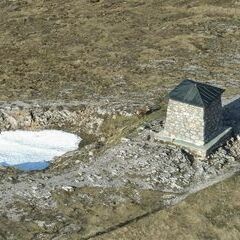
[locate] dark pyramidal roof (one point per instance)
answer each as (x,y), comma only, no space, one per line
(195,93)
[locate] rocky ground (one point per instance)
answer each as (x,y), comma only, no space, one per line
(101,178)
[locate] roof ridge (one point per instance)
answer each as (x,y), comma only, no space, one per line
(195,93)
(199,94)
(206,93)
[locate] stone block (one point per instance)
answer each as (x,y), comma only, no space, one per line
(198,148)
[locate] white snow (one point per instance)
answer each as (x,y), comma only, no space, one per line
(32,150)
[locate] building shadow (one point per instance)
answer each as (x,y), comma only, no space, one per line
(231,115)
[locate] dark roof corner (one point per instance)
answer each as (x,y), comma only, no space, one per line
(195,93)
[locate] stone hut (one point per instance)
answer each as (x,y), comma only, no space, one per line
(194,117)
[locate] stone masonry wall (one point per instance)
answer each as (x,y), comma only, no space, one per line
(185,122)
(213,119)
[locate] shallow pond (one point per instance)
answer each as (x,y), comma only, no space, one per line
(34,150)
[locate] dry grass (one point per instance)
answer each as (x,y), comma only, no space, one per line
(212,213)
(118,126)
(73,49)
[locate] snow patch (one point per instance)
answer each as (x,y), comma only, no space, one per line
(33,150)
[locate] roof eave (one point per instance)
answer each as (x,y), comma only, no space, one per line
(186,102)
